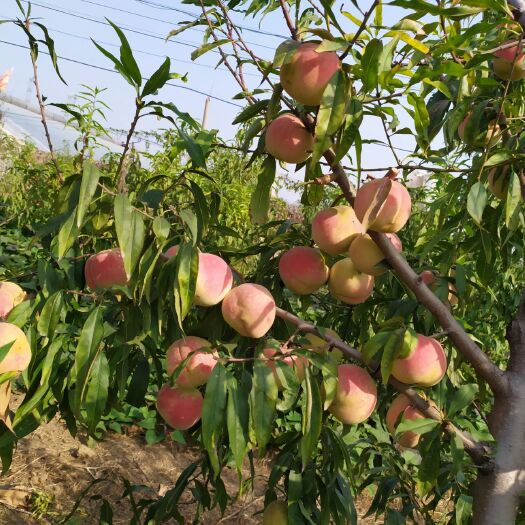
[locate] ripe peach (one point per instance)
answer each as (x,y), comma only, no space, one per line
(214,280)
(276,513)
(105,269)
(287,139)
(348,284)
(366,254)
(199,366)
(320,346)
(425,366)
(499,182)
(297,362)
(180,407)
(509,63)
(19,355)
(490,138)
(14,291)
(302,270)
(249,309)
(334,228)
(355,396)
(306,76)
(395,211)
(401,410)
(6,304)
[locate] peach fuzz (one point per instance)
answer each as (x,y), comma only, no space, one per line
(180,407)
(307,74)
(249,309)
(509,63)
(287,139)
(276,513)
(199,366)
(348,284)
(355,396)
(499,182)
(320,346)
(334,228)
(297,362)
(18,357)
(401,410)
(303,270)
(105,269)
(366,254)
(425,366)
(395,211)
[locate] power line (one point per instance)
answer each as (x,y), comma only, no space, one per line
(188,13)
(134,13)
(102,68)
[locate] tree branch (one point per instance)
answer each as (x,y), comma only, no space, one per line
(360,29)
(289,23)
(121,173)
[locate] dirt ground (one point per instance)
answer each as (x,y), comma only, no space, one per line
(57,468)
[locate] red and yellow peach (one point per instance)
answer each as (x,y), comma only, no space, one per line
(287,139)
(303,270)
(180,407)
(18,356)
(105,270)
(297,362)
(509,63)
(366,254)
(348,284)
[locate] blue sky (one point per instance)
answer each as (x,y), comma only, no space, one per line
(72,32)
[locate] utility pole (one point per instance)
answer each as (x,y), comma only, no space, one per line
(205,114)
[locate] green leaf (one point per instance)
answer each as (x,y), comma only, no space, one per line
(370,64)
(284,52)
(312,418)
(50,315)
(88,347)
(97,391)
(375,344)
(186,271)
(237,419)
(462,398)
(392,347)
(497,158)
(251,111)
(331,114)
(421,118)
(418,426)
(263,399)
(430,449)
(88,187)
(201,209)
(129,226)
(50,44)
(213,413)
(409,343)
(260,201)
(127,59)
(476,201)
(161,228)
(138,385)
(118,65)
(194,150)
(157,80)
(512,202)
(352,123)
(208,47)
(463,508)
(67,235)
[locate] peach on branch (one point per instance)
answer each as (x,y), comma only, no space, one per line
(276,513)
(402,410)
(6,304)
(424,366)
(355,396)
(214,280)
(18,357)
(431,279)
(180,407)
(334,228)
(303,270)
(105,270)
(288,139)
(509,63)
(366,254)
(11,295)
(348,284)
(499,181)
(490,138)
(394,212)
(249,309)
(297,362)
(200,364)
(307,74)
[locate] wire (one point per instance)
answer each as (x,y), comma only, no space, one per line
(134,13)
(102,68)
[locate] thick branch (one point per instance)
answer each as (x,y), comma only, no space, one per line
(476,450)
(483,366)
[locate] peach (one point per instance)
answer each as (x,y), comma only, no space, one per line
(180,407)
(509,63)
(172,251)
(320,346)
(490,138)
(425,366)
(19,355)
(499,182)
(355,396)
(395,211)
(307,74)
(334,228)
(430,278)
(288,139)
(348,284)
(199,366)
(6,304)
(214,280)
(105,269)
(249,309)
(401,410)
(302,270)
(366,254)
(297,362)
(276,513)
(14,290)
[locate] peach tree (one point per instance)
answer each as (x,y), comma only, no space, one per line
(374,342)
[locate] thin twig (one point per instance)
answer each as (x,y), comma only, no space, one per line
(360,29)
